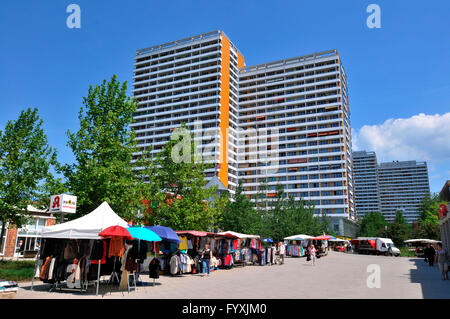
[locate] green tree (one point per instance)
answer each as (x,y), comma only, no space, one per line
(103,148)
(428,223)
(26,164)
(399,230)
(373,225)
(181,181)
(240,215)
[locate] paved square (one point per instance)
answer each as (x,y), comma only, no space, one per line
(337,275)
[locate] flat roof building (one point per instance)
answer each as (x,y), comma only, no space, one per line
(285,122)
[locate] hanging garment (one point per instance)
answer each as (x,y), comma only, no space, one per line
(174,264)
(189,244)
(235,244)
(183,244)
(153,268)
(116,247)
(99,252)
(50,270)
(44,270)
(253,244)
(71,249)
(38,268)
(130,264)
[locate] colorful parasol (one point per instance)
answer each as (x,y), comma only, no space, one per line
(118,231)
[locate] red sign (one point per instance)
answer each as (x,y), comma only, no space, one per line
(56,202)
(442,211)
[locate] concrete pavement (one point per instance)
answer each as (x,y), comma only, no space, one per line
(337,275)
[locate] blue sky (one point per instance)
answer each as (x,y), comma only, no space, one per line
(398,75)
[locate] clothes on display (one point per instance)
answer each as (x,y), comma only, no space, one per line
(116,247)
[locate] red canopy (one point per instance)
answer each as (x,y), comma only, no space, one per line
(195,233)
(323,237)
(116,231)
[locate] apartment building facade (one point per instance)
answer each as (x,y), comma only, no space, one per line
(403,185)
(192,81)
(299,110)
(389,187)
(367,192)
(285,122)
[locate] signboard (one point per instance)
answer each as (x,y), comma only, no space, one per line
(65,204)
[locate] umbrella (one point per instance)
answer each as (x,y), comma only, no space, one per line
(118,231)
(113,231)
(165,233)
(267,240)
(323,237)
(143,233)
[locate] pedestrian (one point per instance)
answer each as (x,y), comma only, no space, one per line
(206,260)
(312,252)
(442,260)
(307,253)
(282,250)
(430,253)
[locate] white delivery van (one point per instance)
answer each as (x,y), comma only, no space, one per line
(386,246)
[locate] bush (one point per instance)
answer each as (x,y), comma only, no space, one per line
(17,270)
(404,252)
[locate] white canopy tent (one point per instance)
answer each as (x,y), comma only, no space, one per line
(431,241)
(238,235)
(86,227)
(298,237)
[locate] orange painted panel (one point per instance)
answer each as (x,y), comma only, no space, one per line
(224,110)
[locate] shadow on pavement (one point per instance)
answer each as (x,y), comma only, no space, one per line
(433,287)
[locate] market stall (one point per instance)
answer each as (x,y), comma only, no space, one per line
(74,255)
(193,242)
(338,244)
(297,245)
(167,257)
(246,248)
(321,244)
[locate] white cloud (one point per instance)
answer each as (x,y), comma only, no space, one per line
(421,137)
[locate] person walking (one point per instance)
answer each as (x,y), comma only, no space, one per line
(442,260)
(206,260)
(282,250)
(430,253)
(312,252)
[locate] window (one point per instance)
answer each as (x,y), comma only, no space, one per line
(2,248)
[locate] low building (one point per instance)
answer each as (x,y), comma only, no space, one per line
(25,241)
(444,221)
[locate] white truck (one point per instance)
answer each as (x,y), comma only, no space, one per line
(376,245)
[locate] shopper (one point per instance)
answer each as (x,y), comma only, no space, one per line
(312,252)
(206,260)
(430,253)
(282,250)
(442,260)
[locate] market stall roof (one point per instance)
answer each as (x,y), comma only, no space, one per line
(431,241)
(298,237)
(195,233)
(86,227)
(237,235)
(323,237)
(143,233)
(166,233)
(337,239)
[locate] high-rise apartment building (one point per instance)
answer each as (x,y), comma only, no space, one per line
(192,81)
(302,105)
(285,122)
(365,174)
(403,185)
(389,187)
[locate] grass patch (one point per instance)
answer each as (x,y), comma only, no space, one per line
(17,270)
(404,252)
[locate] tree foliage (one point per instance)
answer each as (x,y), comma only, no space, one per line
(103,148)
(178,186)
(373,225)
(26,164)
(399,230)
(428,223)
